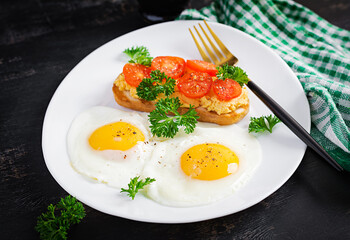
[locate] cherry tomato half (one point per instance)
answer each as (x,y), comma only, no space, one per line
(195,84)
(134,73)
(202,66)
(173,67)
(226,89)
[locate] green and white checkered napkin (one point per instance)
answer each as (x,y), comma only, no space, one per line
(317,51)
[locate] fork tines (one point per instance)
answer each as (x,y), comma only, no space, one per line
(219,57)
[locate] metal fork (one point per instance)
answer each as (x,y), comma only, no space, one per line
(226,57)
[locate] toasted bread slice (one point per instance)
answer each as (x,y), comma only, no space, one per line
(124,98)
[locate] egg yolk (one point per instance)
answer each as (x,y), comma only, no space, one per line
(209,161)
(115,136)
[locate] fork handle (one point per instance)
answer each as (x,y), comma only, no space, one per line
(292,124)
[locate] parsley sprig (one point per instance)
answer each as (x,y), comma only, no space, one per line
(161,124)
(232,72)
(55,223)
(164,126)
(135,185)
(149,88)
(263,123)
(139,55)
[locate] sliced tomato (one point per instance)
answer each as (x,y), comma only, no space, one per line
(195,84)
(202,66)
(134,73)
(226,89)
(173,67)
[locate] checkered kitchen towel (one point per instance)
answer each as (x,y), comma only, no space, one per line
(317,51)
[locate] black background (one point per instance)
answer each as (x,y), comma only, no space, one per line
(40,42)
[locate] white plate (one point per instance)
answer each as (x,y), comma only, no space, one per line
(89,84)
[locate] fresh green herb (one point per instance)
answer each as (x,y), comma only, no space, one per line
(263,123)
(135,185)
(149,88)
(139,55)
(232,72)
(55,223)
(164,126)
(161,124)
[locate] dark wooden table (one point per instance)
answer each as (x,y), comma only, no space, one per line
(40,42)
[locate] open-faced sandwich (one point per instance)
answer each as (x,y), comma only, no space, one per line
(216,93)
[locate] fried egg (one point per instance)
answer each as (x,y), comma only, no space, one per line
(203,167)
(109,145)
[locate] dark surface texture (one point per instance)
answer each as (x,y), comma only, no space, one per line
(40,42)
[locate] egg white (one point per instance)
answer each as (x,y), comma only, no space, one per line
(174,188)
(112,167)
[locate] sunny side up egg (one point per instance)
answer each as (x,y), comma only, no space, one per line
(109,145)
(203,167)
(113,146)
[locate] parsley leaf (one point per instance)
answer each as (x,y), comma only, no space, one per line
(149,88)
(135,185)
(139,55)
(259,124)
(55,223)
(232,72)
(164,126)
